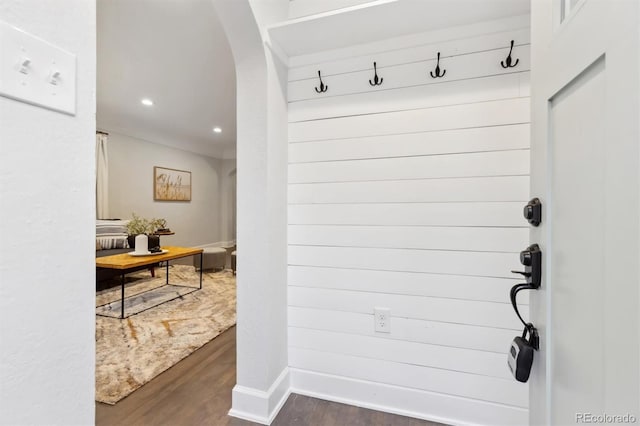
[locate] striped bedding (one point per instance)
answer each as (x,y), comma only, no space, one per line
(115,226)
(111,234)
(112,242)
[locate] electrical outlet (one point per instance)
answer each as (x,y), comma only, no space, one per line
(382,320)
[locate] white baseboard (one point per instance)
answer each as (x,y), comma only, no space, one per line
(259,406)
(432,406)
(225,244)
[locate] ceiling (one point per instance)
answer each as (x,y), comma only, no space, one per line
(175,53)
(385,19)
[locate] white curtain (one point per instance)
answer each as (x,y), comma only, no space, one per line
(102,177)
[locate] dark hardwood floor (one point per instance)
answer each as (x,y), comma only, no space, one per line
(302,410)
(197,391)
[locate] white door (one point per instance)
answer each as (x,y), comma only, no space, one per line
(585,157)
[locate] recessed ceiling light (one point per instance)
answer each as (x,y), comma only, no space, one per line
(217,130)
(147,102)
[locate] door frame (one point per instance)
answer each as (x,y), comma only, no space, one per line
(553,70)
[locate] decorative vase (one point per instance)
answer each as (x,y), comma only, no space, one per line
(142,244)
(154,241)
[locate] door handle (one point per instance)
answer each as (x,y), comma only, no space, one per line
(512,295)
(531,258)
(521,351)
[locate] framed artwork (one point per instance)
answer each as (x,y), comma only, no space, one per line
(171,184)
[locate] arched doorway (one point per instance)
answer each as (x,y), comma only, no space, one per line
(262,380)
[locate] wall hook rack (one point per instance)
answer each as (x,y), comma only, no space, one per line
(323,87)
(507,62)
(437,70)
(376,80)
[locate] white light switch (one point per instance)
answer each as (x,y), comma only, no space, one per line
(35,71)
(24,65)
(54,76)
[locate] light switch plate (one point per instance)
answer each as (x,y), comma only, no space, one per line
(49,77)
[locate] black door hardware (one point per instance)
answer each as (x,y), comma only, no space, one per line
(533,212)
(531,258)
(437,70)
(377,81)
(323,87)
(513,294)
(520,357)
(507,62)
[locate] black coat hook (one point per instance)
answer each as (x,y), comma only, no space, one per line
(376,81)
(437,70)
(507,62)
(323,87)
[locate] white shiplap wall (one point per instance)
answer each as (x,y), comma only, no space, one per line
(408,195)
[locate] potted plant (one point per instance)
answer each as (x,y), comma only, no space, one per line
(139,225)
(159,225)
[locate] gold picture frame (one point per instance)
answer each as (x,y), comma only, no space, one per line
(171,184)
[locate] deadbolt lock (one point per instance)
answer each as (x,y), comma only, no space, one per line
(533,212)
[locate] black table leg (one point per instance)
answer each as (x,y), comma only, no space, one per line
(167,281)
(201,255)
(122,301)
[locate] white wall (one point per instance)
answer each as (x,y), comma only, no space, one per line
(47,223)
(205,220)
(409,196)
(262,367)
(301,8)
(228,200)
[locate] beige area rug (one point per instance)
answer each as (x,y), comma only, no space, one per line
(132,351)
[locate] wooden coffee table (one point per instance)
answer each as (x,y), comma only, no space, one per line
(166,293)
